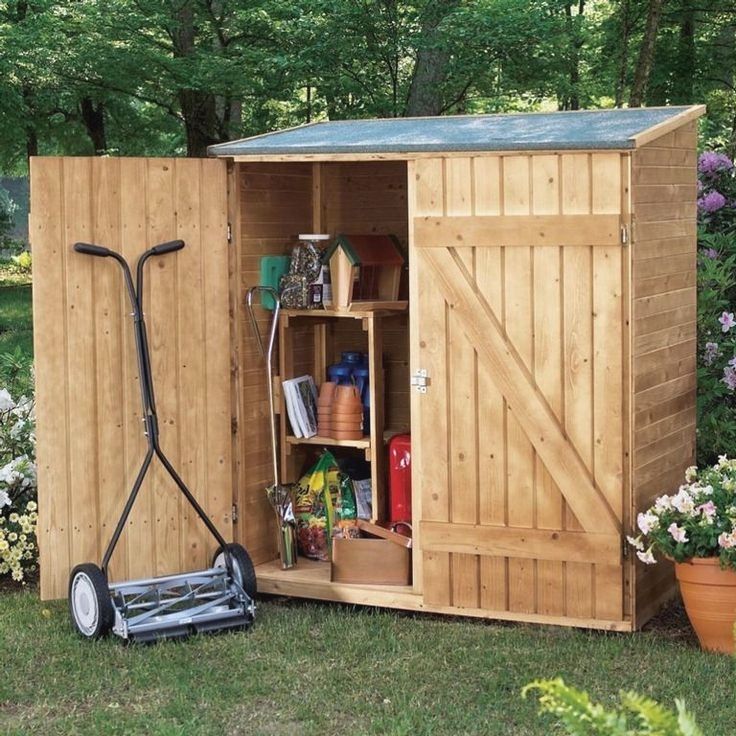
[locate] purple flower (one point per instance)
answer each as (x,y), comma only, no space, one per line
(711,163)
(727,321)
(711,253)
(710,353)
(677,532)
(729,377)
(711,202)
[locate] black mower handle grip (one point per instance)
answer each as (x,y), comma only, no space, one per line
(92,250)
(170,247)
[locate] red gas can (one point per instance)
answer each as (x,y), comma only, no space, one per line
(399,477)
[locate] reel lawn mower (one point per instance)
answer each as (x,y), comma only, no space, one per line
(215,599)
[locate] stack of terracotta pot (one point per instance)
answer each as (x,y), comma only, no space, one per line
(340,412)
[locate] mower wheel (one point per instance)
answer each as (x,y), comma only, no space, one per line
(90,606)
(244,571)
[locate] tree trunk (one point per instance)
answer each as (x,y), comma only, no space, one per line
(94,122)
(430,70)
(624,46)
(30,126)
(198,108)
(682,88)
(571,98)
(646,54)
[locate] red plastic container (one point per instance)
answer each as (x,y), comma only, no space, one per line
(399,477)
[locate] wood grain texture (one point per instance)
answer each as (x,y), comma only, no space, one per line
(90,443)
(664,336)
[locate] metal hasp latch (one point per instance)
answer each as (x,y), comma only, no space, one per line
(420,379)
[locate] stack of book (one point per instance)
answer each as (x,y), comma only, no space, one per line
(300,397)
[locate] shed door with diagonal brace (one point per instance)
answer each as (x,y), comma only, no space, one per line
(518,320)
(90,441)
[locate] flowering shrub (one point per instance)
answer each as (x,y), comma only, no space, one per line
(697,521)
(716,306)
(18,510)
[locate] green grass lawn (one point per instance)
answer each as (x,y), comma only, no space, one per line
(309,668)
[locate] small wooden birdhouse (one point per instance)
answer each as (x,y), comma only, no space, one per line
(364,268)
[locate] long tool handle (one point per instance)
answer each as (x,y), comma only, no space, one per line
(267,353)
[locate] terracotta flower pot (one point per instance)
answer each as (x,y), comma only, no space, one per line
(347,399)
(709,594)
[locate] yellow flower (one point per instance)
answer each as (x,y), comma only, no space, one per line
(4,546)
(12,537)
(14,517)
(31,506)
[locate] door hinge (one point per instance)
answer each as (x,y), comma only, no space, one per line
(421,380)
(625,548)
(234,513)
(229,233)
(624,235)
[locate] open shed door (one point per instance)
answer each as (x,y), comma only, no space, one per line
(519,323)
(90,441)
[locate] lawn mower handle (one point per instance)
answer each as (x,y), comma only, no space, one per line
(92,250)
(169,247)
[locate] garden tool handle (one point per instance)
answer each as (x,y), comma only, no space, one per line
(168,247)
(92,250)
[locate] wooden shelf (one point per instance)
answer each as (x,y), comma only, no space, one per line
(363,443)
(357,313)
(311,579)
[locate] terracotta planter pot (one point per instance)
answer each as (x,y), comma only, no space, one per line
(342,426)
(709,594)
(347,399)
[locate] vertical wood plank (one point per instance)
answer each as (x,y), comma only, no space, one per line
(608,400)
(518,323)
(432,333)
(548,372)
(49,345)
(163,336)
(81,361)
(191,356)
(217,433)
(578,371)
(133,219)
(462,381)
(491,440)
(111,486)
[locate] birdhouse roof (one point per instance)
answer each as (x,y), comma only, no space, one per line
(368,250)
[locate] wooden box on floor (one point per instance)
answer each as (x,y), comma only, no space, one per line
(545,369)
(370,562)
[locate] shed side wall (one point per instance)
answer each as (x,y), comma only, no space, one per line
(275,205)
(664,176)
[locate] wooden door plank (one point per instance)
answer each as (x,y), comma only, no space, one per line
(111,487)
(432,334)
(81,370)
(491,405)
(548,374)
(518,324)
(49,345)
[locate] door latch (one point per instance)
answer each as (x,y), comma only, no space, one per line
(420,380)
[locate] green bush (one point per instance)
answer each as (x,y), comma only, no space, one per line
(7,214)
(716,299)
(634,715)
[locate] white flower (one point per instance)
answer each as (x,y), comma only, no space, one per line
(4,499)
(727,540)
(678,533)
(663,503)
(691,473)
(723,461)
(636,543)
(683,501)
(707,490)
(647,522)
(646,557)
(6,400)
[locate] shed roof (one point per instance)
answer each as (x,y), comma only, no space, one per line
(581,129)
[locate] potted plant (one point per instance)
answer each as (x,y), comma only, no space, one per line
(696,528)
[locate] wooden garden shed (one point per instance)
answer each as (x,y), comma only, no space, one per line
(551,310)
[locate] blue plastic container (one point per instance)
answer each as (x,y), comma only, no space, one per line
(361,376)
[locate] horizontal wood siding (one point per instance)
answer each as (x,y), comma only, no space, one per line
(664,333)
(90,442)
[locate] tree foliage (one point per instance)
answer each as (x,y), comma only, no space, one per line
(172,76)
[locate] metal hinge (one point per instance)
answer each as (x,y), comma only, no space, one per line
(624,235)
(234,513)
(420,380)
(625,548)
(229,233)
